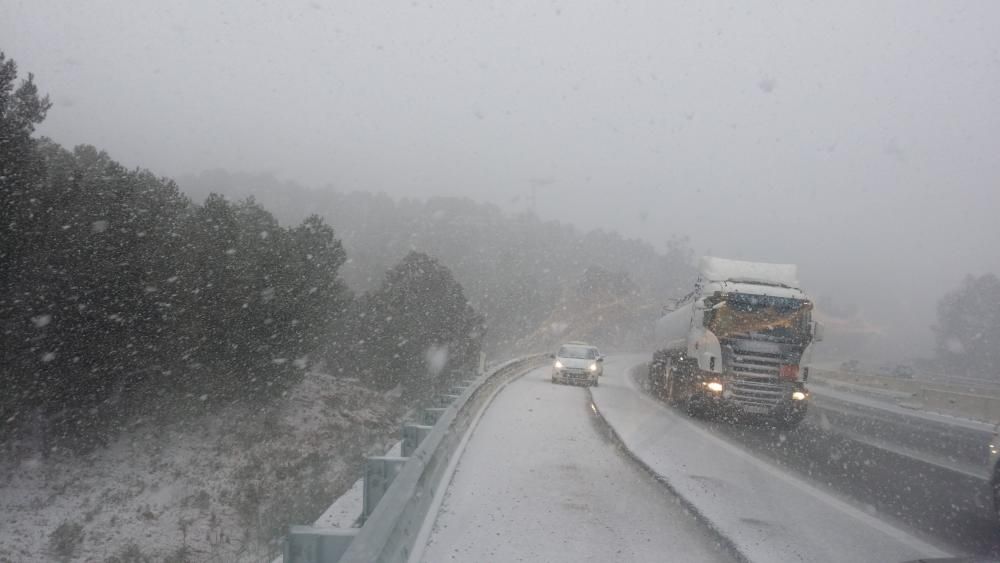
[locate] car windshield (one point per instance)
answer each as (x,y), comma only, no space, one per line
(285,277)
(578,352)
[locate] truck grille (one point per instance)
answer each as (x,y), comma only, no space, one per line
(756,385)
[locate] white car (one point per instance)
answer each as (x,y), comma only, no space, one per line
(577,362)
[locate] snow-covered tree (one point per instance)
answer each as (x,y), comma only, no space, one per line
(417,329)
(968,327)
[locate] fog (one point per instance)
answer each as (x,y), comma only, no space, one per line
(858,141)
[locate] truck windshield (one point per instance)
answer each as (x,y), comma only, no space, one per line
(744,314)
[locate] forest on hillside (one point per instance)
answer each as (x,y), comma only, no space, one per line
(121,297)
(517,269)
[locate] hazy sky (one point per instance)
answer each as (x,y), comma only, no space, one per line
(857,139)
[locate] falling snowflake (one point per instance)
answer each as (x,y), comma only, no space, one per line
(437,358)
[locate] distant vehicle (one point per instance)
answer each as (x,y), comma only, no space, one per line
(850,366)
(902,371)
(577,362)
(738,343)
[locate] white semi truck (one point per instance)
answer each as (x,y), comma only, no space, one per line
(739,344)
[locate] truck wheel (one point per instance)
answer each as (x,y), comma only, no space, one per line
(694,406)
(653,380)
(672,393)
(678,386)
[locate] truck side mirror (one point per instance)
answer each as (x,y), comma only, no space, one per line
(670,306)
(818,331)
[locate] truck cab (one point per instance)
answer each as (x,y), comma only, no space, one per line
(740,343)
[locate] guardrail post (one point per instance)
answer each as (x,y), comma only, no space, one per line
(413,434)
(431,416)
(379,473)
(445,400)
(307,544)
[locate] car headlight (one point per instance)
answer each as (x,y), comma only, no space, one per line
(799,396)
(714,386)
(593,367)
(558,364)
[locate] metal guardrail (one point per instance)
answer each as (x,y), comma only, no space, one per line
(983,408)
(402,493)
(950,398)
(868,380)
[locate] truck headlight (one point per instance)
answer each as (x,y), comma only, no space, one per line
(558,365)
(593,367)
(714,386)
(799,396)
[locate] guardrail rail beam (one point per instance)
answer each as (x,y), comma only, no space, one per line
(308,544)
(413,434)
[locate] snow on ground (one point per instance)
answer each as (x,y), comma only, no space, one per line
(539,481)
(767,513)
(212,487)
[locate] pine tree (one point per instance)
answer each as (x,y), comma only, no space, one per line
(419,327)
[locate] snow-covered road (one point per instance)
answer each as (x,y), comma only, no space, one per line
(540,481)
